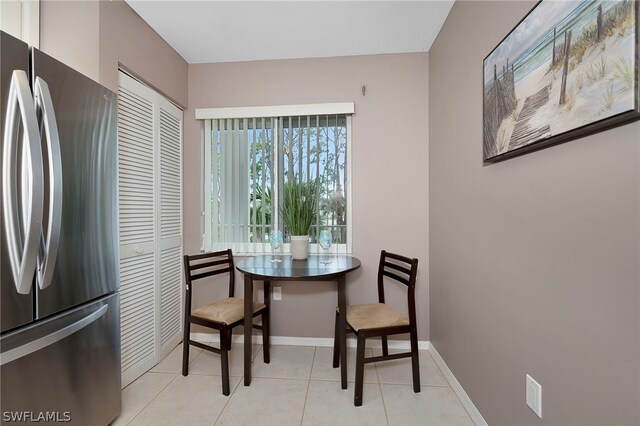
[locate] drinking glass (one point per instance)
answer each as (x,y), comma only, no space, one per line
(325,239)
(275,239)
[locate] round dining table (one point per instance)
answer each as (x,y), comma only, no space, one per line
(264,268)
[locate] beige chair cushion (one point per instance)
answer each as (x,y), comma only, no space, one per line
(362,317)
(225,311)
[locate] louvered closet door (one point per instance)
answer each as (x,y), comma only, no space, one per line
(138,268)
(171,274)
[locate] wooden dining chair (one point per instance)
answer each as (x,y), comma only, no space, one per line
(380,320)
(222,315)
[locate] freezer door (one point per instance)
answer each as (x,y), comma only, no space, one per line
(65,368)
(15,308)
(86,243)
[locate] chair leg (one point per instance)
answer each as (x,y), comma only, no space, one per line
(415,366)
(357,400)
(224,357)
(336,346)
(229,338)
(385,346)
(185,348)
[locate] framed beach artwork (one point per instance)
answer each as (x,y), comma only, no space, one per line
(568,69)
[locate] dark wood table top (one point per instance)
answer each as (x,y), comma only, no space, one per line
(260,267)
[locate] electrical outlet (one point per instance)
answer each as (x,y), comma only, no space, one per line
(534,396)
(277,293)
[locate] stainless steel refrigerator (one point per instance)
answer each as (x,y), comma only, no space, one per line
(59,301)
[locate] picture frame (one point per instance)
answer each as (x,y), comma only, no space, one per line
(568,69)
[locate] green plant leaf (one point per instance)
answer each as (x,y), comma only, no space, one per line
(299,206)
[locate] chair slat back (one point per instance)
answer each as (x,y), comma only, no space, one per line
(205,265)
(401,269)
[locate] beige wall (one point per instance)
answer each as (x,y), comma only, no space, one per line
(126,39)
(94,37)
(534,260)
(69,33)
(390,167)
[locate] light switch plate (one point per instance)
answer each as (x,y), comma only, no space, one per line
(534,396)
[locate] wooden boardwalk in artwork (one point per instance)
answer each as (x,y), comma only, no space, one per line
(522,132)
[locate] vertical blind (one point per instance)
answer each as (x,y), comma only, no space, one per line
(248,161)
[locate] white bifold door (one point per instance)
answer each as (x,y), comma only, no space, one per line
(150,200)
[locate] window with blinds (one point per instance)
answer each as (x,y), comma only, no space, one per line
(249,161)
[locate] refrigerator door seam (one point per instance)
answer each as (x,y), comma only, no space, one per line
(22,254)
(49,243)
(43,342)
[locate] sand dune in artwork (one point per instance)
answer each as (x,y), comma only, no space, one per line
(596,88)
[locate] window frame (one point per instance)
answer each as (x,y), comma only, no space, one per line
(248,248)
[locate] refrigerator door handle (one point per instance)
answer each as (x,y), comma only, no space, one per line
(49,243)
(22,235)
(50,339)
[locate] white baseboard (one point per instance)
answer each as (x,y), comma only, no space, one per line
(309,341)
(477,418)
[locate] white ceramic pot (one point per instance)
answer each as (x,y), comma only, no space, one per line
(299,246)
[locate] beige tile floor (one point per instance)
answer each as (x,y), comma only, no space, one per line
(298,387)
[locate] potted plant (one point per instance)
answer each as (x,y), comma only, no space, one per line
(299,208)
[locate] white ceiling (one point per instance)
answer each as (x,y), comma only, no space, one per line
(229,31)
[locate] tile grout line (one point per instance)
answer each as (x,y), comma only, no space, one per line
(237,385)
(306,395)
(411,384)
(384,405)
(295,379)
(153,369)
(194,358)
(254,356)
(375,367)
(227,402)
(154,398)
(161,372)
(309,378)
(449,386)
